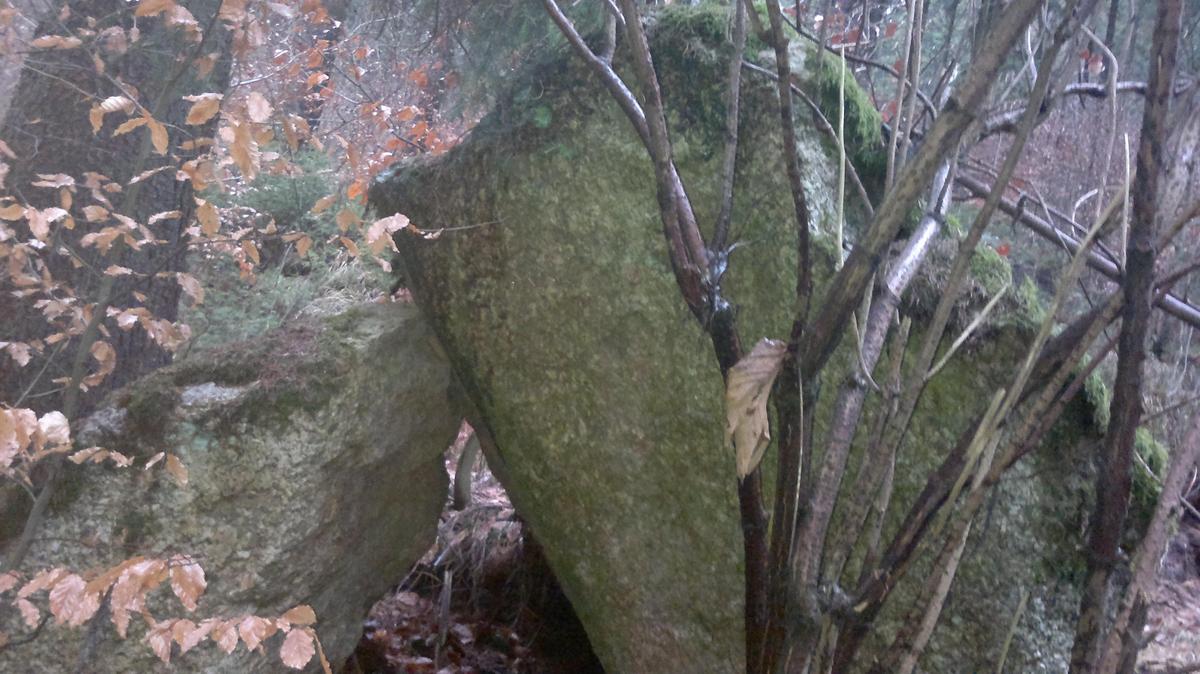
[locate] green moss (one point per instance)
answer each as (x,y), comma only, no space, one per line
(1030,309)
(1148,473)
(1096,392)
(863,131)
(1154,457)
(953,225)
(704,26)
(990,270)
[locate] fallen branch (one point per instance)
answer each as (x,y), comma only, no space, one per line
(1170,303)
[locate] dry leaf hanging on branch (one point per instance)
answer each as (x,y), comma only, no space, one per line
(747,426)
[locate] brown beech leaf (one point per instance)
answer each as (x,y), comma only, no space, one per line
(12,212)
(158,135)
(146,174)
(55,428)
(303,615)
(303,244)
(95,213)
(191,637)
(297,649)
(225,635)
(187,578)
(134,578)
(29,613)
(244,150)
(204,107)
(106,358)
(160,637)
(153,8)
(101,583)
(89,454)
(258,108)
(179,473)
(345,218)
(56,42)
(44,579)
(210,220)
(251,250)
(39,225)
(71,603)
(379,234)
(255,630)
(8,580)
(115,103)
(129,125)
(110,104)
(747,426)
(180,630)
(54,180)
(191,286)
(6,150)
(18,351)
(9,446)
(164,215)
(324,203)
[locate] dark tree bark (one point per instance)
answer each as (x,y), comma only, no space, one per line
(1116,461)
(48,129)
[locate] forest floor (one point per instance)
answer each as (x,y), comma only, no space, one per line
(484,601)
(1173,620)
(481,601)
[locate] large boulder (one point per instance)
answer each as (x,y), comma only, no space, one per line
(551,290)
(315,476)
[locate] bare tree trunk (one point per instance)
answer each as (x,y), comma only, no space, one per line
(1113,482)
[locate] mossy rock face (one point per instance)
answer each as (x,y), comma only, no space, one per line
(314,456)
(557,306)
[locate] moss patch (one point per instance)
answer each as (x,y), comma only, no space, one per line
(863,125)
(990,269)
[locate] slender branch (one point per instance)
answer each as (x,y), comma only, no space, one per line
(926,101)
(732,106)
(825,127)
(791,159)
(615,85)
(679,220)
(685,247)
(898,100)
(790,401)
(908,121)
(1006,121)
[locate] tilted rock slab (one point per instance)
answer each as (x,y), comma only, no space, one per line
(551,290)
(315,476)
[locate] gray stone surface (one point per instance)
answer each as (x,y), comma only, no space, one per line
(315,477)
